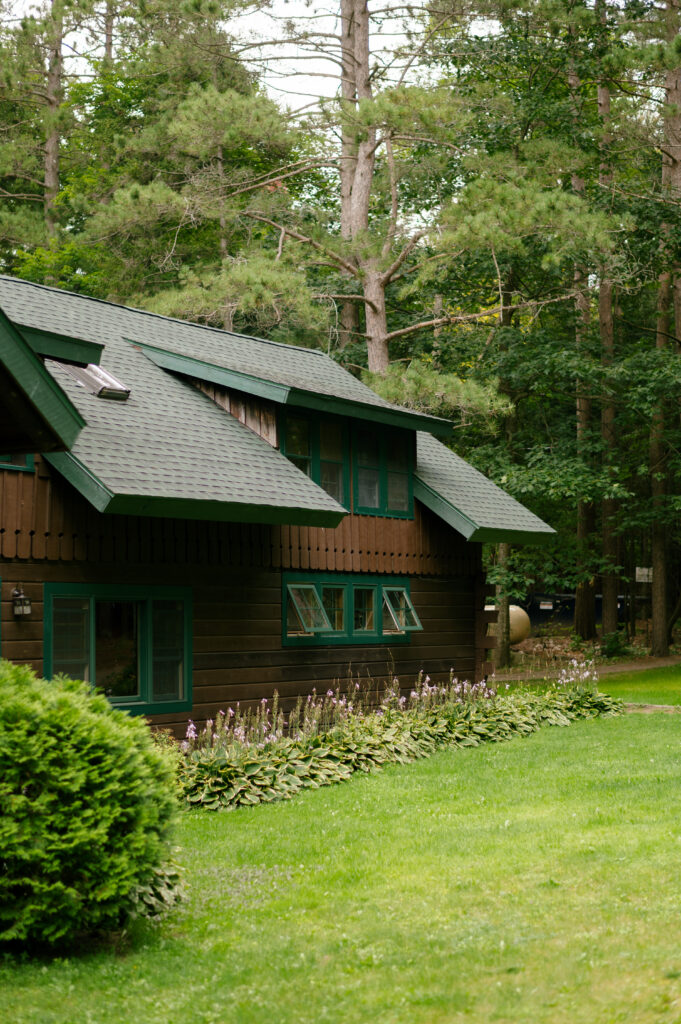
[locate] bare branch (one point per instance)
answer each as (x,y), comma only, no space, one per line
(411,244)
(336,260)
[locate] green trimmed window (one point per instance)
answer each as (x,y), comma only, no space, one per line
(383,461)
(334,609)
(379,462)
(132,643)
(320,448)
(24,463)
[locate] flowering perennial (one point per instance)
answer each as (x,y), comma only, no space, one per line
(247,756)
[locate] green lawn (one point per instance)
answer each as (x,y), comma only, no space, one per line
(651,686)
(530,881)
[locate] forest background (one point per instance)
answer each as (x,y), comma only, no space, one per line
(478,212)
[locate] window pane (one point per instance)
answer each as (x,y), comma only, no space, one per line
(402,609)
(364,610)
(18,461)
(398,492)
(331,441)
(397,454)
(297,436)
(334,606)
(368,488)
(367,448)
(332,480)
(309,607)
(301,463)
(116,647)
(294,623)
(167,650)
(71,637)
(391,623)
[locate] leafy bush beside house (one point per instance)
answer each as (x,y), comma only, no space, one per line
(87,804)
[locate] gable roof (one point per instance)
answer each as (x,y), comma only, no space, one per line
(37,415)
(284,373)
(467,500)
(170,451)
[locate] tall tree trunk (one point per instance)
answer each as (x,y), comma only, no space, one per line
(585,597)
(53,94)
(109,21)
(376,319)
(502,657)
(356,180)
(349,312)
(669,286)
(610,577)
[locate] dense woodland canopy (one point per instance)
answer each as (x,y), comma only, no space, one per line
(484,220)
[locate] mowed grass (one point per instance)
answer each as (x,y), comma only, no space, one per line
(531,881)
(649,686)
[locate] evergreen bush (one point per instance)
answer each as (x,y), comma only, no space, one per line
(87,804)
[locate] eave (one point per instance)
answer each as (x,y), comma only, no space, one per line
(286,395)
(108,501)
(464,525)
(38,416)
(64,349)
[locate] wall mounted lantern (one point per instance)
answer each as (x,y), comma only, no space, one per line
(21,605)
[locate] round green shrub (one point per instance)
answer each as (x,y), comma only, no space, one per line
(87,804)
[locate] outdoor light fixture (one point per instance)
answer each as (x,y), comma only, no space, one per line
(21,604)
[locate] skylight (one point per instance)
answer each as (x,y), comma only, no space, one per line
(98,381)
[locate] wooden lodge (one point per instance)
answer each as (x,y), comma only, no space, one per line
(191,518)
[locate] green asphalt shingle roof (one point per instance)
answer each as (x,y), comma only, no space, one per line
(170,451)
(308,374)
(37,415)
(469,501)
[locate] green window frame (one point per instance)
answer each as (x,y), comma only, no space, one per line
(88,623)
(358,610)
(383,471)
(319,446)
(20,463)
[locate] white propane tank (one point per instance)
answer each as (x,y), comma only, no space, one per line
(519,622)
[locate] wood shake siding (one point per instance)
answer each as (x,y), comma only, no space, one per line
(51,534)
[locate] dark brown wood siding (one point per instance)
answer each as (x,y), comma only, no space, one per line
(49,533)
(43,518)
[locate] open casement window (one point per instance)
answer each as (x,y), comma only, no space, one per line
(398,611)
(132,643)
(335,609)
(305,613)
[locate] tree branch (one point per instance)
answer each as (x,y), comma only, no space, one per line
(387,277)
(336,260)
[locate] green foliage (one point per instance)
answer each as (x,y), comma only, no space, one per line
(87,809)
(223,774)
(426,388)
(614,645)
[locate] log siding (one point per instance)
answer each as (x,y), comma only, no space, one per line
(51,534)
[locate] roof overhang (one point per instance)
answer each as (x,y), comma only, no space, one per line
(282,394)
(37,415)
(106,500)
(59,346)
(472,531)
